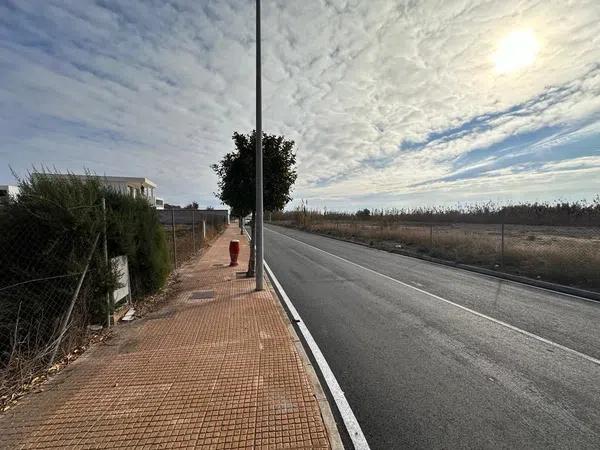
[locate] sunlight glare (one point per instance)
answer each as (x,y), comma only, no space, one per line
(517,50)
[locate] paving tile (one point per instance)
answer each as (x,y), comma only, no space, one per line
(218,373)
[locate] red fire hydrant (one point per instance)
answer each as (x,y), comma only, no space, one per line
(234,251)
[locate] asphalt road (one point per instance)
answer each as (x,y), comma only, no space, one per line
(421,371)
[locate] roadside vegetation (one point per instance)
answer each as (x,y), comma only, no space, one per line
(49,233)
(555,242)
(237,177)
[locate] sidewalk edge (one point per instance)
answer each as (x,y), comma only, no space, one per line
(333,433)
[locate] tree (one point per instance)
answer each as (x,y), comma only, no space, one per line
(363,213)
(237,180)
(193,205)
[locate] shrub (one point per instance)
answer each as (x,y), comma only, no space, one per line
(134,229)
(46,238)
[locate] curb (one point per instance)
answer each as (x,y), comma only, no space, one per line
(333,433)
(576,292)
(327,415)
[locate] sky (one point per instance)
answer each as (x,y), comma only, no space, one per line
(390,103)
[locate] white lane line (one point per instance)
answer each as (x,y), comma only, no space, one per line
(469,272)
(358,438)
(352,426)
(437,297)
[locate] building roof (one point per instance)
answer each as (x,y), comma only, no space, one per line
(110,179)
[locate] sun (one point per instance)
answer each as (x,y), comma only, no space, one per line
(516,51)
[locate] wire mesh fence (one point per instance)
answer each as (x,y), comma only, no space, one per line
(56,278)
(188,231)
(46,287)
(567,255)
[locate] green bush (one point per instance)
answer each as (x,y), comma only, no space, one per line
(46,237)
(134,230)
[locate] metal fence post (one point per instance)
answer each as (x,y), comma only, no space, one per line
(502,246)
(203,230)
(430,236)
(65,323)
(174,244)
(108,302)
(194,229)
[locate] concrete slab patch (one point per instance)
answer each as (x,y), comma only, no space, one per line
(202,295)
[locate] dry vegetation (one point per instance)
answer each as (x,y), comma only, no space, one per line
(558,243)
(188,239)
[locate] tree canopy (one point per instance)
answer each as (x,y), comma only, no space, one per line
(237,170)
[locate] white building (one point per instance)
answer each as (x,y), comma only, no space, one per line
(8,192)
(133,186)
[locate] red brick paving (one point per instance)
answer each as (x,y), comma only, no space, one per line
(221,373)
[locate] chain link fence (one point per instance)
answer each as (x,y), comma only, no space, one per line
(188,231)
(568,255)
(56,279)
(46,292)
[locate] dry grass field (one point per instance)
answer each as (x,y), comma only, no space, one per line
(560,254)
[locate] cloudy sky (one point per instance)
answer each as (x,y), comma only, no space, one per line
(391,103)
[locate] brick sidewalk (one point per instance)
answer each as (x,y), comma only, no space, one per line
(224,372)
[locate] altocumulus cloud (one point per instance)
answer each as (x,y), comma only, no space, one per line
(391,103)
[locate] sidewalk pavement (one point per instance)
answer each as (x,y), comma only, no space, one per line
(221,372)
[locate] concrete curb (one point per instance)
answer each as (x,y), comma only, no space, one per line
(328,419)
(576,292)
(333,434)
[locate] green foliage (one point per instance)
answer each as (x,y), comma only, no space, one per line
(237,173)
(193,205)
(53,219)
(47,236)
(363,213)
(134,229)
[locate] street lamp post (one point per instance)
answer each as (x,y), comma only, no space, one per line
(259,162)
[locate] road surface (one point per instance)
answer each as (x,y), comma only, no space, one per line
(430,356)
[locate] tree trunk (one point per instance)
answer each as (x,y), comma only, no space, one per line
(252,259)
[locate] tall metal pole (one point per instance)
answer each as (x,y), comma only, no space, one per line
(194,229)
(108,302)
(174,238)
(259,161)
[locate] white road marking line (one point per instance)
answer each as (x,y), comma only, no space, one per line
(469,272)
(358,438)
(484,316)
(352,426)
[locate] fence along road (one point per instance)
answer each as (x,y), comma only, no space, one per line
(432,356)
(187,230)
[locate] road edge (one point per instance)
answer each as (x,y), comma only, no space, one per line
(544,285)
(327,415)
(333,433)
(351,424)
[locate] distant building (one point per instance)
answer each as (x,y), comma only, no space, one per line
(7,193)
(188,216)
(222,213)
(133,186)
